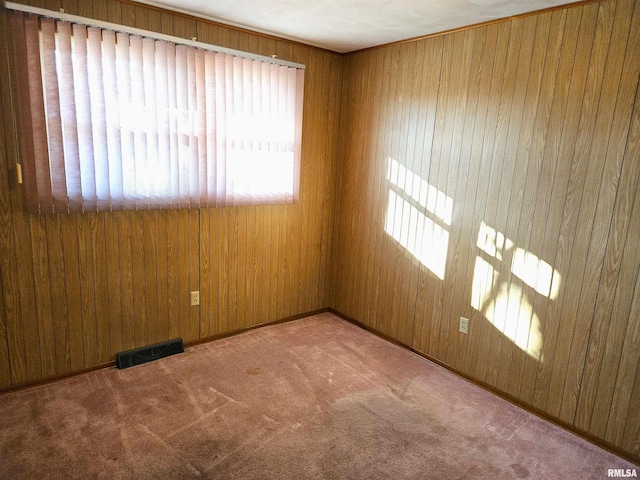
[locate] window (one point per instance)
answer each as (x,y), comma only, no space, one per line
(112,120)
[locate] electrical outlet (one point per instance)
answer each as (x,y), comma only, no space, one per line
(464,325)
(195,298)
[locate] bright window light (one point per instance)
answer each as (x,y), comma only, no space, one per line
(512,314)
(533,271)
(409,224)
(122,120)
(421,191)
(485,278)
(422,237)
(536,273)
(504,303)
(493,242)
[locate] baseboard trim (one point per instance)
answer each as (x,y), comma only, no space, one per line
(505,396)
(55,378)
(112,363)
(239,331)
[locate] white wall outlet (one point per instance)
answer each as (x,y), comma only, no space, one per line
(464,325)
(195,298)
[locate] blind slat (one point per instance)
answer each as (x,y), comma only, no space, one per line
(201,126)
(163,125)
(125,122)
(54,117)
(88,194)
(21,72)
(68,115)
(36,95)
(97,114)
(112,117)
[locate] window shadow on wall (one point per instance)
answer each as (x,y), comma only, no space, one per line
(418,216)
(506,277)
(507,305)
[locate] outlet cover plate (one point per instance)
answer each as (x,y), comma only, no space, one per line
(195,298)
(464,325)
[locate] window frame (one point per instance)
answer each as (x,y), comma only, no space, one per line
(33,123)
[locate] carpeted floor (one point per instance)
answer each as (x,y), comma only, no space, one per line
(312,398)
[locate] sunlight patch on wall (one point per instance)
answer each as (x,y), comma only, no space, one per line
(505,304)
(412,201)
(536,273)
(422,237)
(493,242)
(512,314)
(485,278)
(533,271)
(421,191)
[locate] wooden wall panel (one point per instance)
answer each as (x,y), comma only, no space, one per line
(77,289)
(554,243)
(625,346)
(525,131)
(5,369)
(540,173)
(529,127)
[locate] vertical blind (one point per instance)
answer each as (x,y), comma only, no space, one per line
(111,121)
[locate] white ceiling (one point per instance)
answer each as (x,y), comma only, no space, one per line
(348,25)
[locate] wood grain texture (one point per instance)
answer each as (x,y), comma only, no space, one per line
(596,216)
(628,355)
(5,368)
(10,317)
(555,244)
(539,180)
(529,127)
(77,289)
(628,435)
(617,191)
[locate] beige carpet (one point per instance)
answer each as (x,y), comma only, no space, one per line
(312,398)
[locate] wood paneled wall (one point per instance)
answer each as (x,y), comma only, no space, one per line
(530,127)
(77,289)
